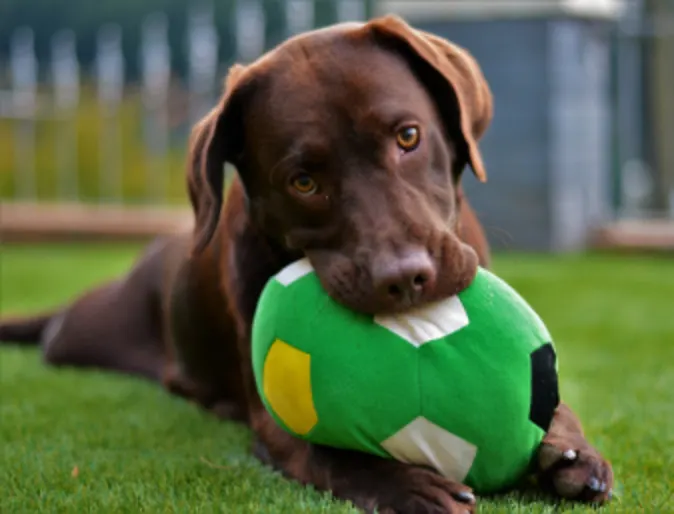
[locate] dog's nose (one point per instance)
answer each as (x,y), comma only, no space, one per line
(403,279)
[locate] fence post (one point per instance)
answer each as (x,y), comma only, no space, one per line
(24,84)
(299,16)
(110,71)
(351,10)
(635,178)
(660,76)
(250,23)
(202,41)
(156,71)
(65,76)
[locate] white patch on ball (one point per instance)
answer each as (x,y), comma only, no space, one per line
(295,271)
(427,323)
(424,443)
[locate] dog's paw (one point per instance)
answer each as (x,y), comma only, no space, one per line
(372,484)
(576,473)
(421,491)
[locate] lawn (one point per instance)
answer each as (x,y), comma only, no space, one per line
(77,442)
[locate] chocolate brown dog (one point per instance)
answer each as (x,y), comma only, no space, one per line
(349,143)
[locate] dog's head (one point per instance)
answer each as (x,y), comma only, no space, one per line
(349,143)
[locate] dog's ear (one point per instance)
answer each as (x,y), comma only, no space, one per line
(453,76)
(215,140)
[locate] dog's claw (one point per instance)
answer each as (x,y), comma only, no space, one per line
(465,497)
(570,455)
(595,485)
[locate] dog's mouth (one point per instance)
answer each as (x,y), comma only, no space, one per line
(369,303)
(386,285)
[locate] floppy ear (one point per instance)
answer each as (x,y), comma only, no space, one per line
(453,76)
(215,140)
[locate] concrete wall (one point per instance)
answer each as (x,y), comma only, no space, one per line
(423,10)
(513,204)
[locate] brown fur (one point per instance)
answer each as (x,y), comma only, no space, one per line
(327,103)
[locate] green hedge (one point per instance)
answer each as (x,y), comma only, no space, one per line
(134,156)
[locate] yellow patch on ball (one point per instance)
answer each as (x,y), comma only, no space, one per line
(287,386)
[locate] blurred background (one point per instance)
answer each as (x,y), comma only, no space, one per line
(97,100)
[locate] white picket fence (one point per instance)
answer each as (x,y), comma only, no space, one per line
(28,101)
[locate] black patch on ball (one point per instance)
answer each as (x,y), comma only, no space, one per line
(544,386)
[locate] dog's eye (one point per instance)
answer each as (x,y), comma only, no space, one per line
(408,137)
(304,184)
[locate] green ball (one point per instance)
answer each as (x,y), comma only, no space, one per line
(467,385)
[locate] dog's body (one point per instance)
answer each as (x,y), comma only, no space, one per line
(349,144)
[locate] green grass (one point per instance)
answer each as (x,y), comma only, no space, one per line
(137,449)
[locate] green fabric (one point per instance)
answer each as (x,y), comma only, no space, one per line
(484,370)
(367,382)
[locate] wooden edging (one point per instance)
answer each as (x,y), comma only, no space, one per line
(34,222)
(37,222)
(635,235)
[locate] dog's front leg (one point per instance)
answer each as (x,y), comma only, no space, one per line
(569,465)
(369,482)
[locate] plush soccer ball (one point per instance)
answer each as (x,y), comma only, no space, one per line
(467,386)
